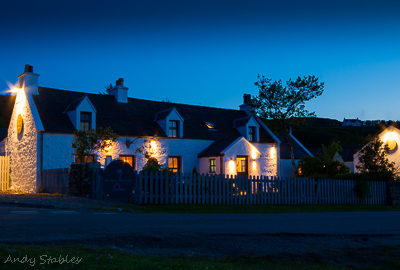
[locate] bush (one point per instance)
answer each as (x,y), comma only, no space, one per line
(152,165)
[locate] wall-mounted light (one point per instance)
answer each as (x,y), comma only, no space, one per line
(153,144)
(254,164)
(15,90)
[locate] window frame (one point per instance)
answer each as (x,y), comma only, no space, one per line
(173,129)
(212,165)
(134,162)
(82,125)
(179,166)
(252,134)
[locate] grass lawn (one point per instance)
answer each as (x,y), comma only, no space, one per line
(81,257)
(249,209)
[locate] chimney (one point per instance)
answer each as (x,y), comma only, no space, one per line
(29,81)
(119,91)
(246,106)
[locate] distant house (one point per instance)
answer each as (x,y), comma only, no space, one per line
(299,151)
(351,122)
(391,137)
(182,137)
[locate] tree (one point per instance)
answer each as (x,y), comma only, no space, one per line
(373,161)
(325,164)
(85,142)
(108,89)
(285,104)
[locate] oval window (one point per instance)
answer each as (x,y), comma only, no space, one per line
(392,144)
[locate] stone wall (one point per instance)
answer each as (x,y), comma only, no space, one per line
(393,192)
(22,147)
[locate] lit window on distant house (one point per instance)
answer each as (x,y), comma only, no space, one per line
(173,164)
(173,128)
(213,166)
(86,120)
(252,134)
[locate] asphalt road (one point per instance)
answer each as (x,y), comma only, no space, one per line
(41,225)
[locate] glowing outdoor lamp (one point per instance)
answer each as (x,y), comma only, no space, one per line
(153,144)
(15,90)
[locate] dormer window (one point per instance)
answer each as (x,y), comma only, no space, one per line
(173,128)
(252,134)
(86,120)
(248,127)
(82,113)
(171,122)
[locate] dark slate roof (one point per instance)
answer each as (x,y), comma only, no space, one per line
(163,114)
(6,108)
(298,151)
(348,151)
(242,121)
(137,116)
(74,104)
(215,148)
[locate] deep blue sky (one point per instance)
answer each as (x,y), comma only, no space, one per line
(210,52)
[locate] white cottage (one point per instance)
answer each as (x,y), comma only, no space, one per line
(391,137)
(182,137)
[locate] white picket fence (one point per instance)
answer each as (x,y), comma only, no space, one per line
(4,173)
(167,188)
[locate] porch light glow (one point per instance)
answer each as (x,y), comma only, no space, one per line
(231,166)
(272,151)
(153,144)
(254,164)
(253,153)
(107,145)
(15,90)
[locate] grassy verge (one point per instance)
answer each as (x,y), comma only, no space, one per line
(81,257)
(242,209)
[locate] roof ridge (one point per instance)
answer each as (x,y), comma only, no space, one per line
(172,103)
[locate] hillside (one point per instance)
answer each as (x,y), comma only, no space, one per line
(314,132)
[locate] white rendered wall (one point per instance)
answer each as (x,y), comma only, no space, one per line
(266,164)
(394,156)
(22,148)
(57,151)
(58,154)
(204,165)
(186,149)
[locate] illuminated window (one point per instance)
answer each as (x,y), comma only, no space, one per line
(299,170)
(129,159)
(210,125)
(173,164)
(86,120)
(85,159)
(241,164)
(173,128)
(252,134)
(213,166)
